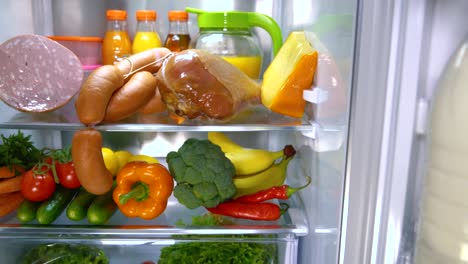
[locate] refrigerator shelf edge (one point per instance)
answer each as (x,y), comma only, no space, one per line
(255,118)
(295,223)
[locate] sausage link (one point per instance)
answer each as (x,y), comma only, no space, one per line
(89,162)
(143,61)
(135,94)
(96,92)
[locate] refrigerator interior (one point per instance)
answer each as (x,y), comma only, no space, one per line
(309,233)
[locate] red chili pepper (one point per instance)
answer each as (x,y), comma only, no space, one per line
(282,192)
(260,211)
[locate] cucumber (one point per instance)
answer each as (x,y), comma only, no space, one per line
(78,207)
(101,209)
(54,206)
(27,211)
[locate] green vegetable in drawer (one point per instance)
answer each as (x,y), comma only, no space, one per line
(62,253)
(219,252)
(78,208)
(27,211)
(54,206)
(102,208)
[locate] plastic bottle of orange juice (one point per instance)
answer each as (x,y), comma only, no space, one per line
(116,44)
(146,36)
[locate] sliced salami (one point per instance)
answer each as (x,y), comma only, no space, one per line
(38,74)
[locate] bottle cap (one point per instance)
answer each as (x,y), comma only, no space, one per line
(116,14)
(177,15)
(146,15)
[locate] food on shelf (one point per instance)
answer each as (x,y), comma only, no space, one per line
(12,184)
(143,189)
(65,168)
(289,74)
(154,105)
(274,175)
(142,157)
(9,202)
(255,206)
(10,171)
(53,207)
(220,252)
(149,60)
(195,83)
(38,74)
(265,211)
(102,87)
(77,210)
(64,253)
(89,162)
(26,212)
(203,174)
(242,157)
(110,160)
(101,208)
(96,92)
(131,97)
(122,157)
(17,154)
(38,183)
(282,192)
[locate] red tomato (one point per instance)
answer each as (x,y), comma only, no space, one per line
(37,186)
(67,175)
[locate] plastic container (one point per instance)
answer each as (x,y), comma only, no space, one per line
(229,34)
(178,37)
(444,201)
(116,44)
(87,49)
(146,36)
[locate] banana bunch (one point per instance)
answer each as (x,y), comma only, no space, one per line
(256,169)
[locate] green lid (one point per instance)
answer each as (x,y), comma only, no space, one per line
(239,19)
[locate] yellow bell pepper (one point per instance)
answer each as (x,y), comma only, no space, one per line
(143,189)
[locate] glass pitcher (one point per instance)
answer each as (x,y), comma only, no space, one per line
(229,34)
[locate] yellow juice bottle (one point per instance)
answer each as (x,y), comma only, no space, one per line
(146,36)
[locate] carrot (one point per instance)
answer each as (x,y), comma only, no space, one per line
(9,202)
(10,185)
(8,172)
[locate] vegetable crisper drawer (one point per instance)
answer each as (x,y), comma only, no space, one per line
(170,249)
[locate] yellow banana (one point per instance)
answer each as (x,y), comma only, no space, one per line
(249,161)
(245,160)
(275,175)
(223,141)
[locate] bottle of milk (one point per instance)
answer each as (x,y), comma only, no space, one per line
(443,230)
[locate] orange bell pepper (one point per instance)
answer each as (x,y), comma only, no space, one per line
(143,189)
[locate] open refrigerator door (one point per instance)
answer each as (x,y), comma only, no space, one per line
(410,210)
(188,226)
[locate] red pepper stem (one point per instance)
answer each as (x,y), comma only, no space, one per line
(139,192)
(290,191)
(283,208)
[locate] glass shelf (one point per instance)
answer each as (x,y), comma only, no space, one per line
(255,118)
(119,226)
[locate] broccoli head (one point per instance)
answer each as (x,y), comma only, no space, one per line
(203,174)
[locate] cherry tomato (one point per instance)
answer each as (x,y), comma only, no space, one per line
(67,175)
(37,186)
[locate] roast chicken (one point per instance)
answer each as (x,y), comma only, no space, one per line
(195,83)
